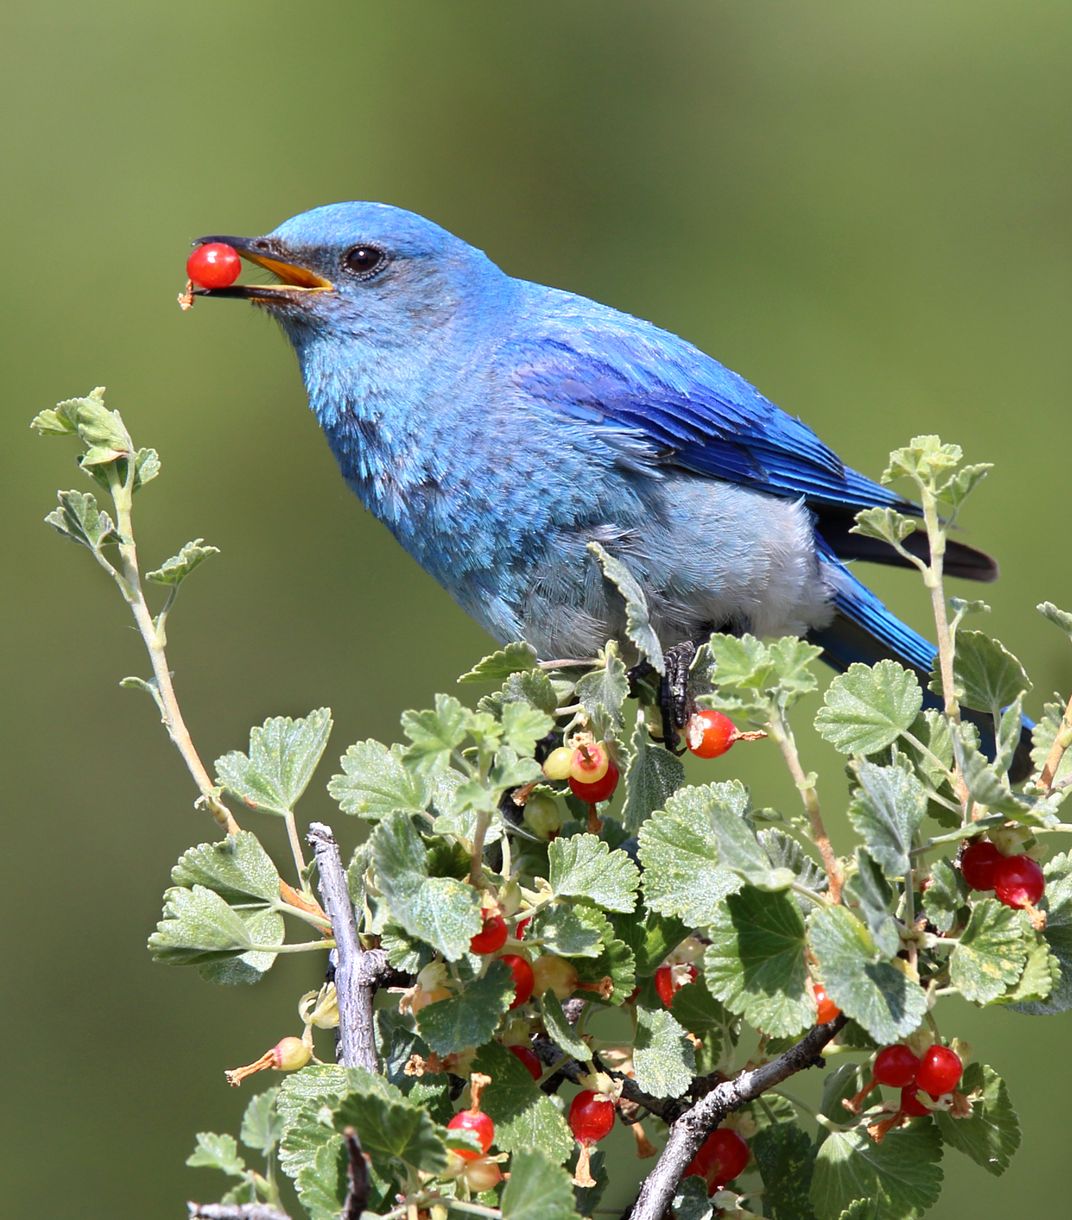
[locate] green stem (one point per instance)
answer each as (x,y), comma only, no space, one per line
(301,946)
(296,849)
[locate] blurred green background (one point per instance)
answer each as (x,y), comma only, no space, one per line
(863,208)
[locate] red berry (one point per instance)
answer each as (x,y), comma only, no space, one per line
(591,1116)
(589,763)
(491,937)
(896,1067)
(720,1158)
(599,791)
(477,1123)
(825,1008)
(524,981)
(940,1071)
(709,733)
(529,1058)
(1018,881)
(522,924)
(911,1105)
(977,863)
(214,265)
(670,979)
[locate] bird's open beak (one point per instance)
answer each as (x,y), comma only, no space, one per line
(295,281)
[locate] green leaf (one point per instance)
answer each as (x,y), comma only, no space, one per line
(238,869)
(603,692)
(283,754)
(992,951)
(198,925)
(992,1132)
(560,1031)
(957,489)
(442,911)
(785,852)
(697,1010)
(748,674)
(583,866)
(650,937)
(146,467)
(898,1178)
(1043,736)
(174,571)
(755,961)
(1060,618)
(739,849)
(651,778)
(537,1190)
(925,460)
(217,1152)
(434,733)
(637,620)
(97,427)
(868,707)
(263,928)
(868,892)
(79,519)
(569,931)
(691,1201)
(262,1126)
(785,1157)
(471,1016)
(886,811)
(886,524)
(943,897)
(523,726)
(683,875)
(986,675)
(514,658)
(875,993)
(615,961)
(397,1135)
(1042,974)
(524,1116)
(374,782)
(1057,935)
(664,1060)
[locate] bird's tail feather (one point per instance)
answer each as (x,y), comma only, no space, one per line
(864,630)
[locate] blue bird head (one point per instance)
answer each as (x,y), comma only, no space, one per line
(364,271)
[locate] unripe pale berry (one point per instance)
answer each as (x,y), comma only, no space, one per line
(543,815)
(556,766)
(555,974)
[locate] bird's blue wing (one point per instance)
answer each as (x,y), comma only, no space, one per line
(678,406)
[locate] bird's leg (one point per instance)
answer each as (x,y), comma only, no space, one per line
(675,702)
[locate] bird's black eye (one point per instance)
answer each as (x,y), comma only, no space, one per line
(365,260)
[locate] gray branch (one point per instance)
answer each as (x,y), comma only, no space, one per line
(357,970)
(689,1130)
(234,1211)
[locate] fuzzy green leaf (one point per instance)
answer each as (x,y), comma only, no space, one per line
(925,459)
(755,961)
(875,993)
(398,1136)
(785,1157)
(517,657)
(868,707)
(538,1189)
(1041,976)
(523,726)
(650,937)
(898,1179)
(683,875)
(943,897)
(637,620)
(664,1060)
(992,951)
(374,782)
(283,754)
(583,866)
(568,930)
(174,571)
(886,811)
(524,1116)
(1057,934)
(560,1031)
(442,911)
(198,925)
(471,1016)
(886,524)
(603,692)
(238,869)
(691,1201)
(986,675)
(992,1133)
(1060,618)
(80,519)
(262,1126)
(651,778)
(435,732)
(220,1152)
(615,961)
(869,894)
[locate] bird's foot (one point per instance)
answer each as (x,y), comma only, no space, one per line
(675,702)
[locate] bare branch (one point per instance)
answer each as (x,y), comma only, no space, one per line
(687,1133)
(234,1211)
(356,970)
(357,1175)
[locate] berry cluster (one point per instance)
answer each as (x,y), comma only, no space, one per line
(1015,880)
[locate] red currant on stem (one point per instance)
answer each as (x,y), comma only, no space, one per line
(669,979)
(977,863)
(474,1120)
(601,790)
(214,265)
(911,1105)
(895,1066)
(709,734)
(524,980)
(719,1159)
(940,1071)
(491,937)
(825,1008)
(1018,882)
(591,1117)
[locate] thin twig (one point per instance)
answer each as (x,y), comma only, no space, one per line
(355,969)
(129,582)
(1061,742)
(357,1175)
(234,1211)
(689,1131)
